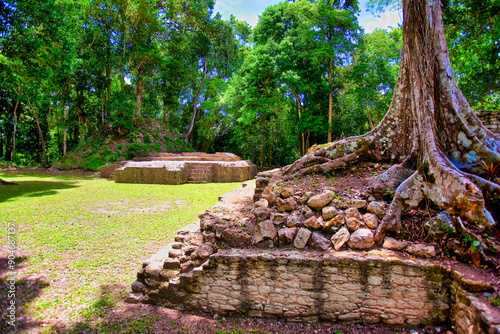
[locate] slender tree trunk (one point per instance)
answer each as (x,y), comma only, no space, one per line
(368,114)
(330,102)
(64,129)
(14,133)
(39,129)
(140,83)
(195,101)
(429,121)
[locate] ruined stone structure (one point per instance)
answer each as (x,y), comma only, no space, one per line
(191,167)
(231,262)
(491,119)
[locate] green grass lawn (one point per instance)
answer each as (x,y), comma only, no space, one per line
(82,239)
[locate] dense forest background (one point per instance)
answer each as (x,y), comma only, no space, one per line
(86,83)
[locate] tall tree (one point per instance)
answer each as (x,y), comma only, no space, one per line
(429,125)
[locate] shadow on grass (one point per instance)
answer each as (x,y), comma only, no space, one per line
(22,290)
(33,189)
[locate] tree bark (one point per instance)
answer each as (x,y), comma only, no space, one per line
(140,84)
(195,101)
(330,97)
(14,133)
(39,130)
(428,119)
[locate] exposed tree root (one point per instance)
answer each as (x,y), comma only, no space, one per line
(429,122)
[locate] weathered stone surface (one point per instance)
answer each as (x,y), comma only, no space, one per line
(177,245)
(314,222)
(236,237)
(175,253)
(271,198)
(371,220)
(287,192)
(278,218)
(378,208)
(168,274)
(261,203)
(353,212)
(264,230)
(265,244)
(319,242)
(421,250)
(295,219)
(306,211)
(137,286)
(190,249)
(286,235)
(393,244)
(319,201)
(328,212)
(361,239)
(171,264)
(340,238)
(353,223)
(389,180)
(345,203)
(262,213)
(187,266)
(288,204)
(195,238)
(205,250)
(302,238)
(334,224)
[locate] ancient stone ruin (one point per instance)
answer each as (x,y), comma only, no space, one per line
(268,250)
(173,168)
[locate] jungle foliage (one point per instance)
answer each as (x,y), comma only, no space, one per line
(77,73)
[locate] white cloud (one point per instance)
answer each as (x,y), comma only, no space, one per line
(386,21)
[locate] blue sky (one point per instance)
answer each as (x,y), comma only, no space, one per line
(249,10)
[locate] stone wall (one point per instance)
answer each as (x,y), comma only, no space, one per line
(344,286)
(491,119)
(233,262)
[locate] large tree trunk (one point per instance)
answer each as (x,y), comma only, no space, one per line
(429,120)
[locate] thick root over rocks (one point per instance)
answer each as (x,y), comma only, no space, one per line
(429,119)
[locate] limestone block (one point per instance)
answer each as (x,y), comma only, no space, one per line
(319,242)
(371,220)
(295,219)
(319,201)
(421,250)
(261,203)
(205,250)
(361,239)
(328,212)
(345,203)
(354,213)
(236,237)
(314,222)
(302,237)
(288,204)
(334,224)
(264,230)
(340,238)
(353,223)
(378,208)
(393,244)
(286,235)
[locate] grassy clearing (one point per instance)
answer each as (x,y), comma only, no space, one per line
(82,239)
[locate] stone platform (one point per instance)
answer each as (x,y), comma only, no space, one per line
(213,267)
(191,167)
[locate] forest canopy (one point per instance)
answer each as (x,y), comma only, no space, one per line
(75,73)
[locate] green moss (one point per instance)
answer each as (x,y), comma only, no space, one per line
(423,169)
